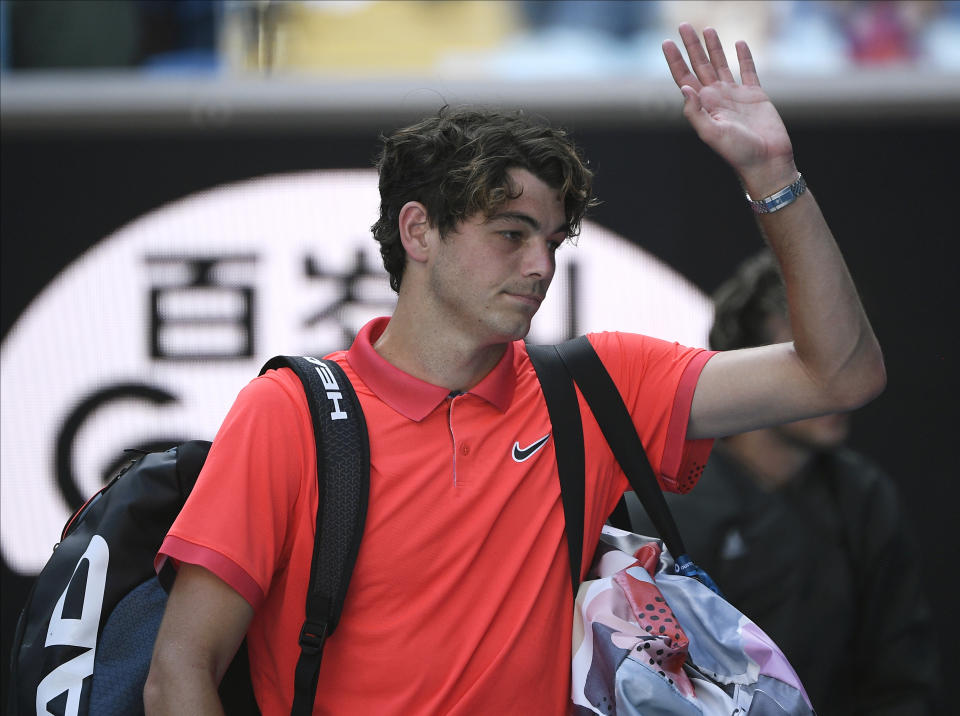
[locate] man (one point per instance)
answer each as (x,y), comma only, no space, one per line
(460,602)
(806,538)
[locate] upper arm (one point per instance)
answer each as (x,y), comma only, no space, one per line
(203,625)
(752,388)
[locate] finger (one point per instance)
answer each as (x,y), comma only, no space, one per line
(748,70)
(678,66)
(717,56)
(699,62)
(693,111)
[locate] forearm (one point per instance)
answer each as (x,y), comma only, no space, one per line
(832,335)
(203,625)
(834,362)
(173,689)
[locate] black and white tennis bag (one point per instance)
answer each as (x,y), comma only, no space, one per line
(85,637)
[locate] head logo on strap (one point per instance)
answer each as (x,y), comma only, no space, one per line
(331,386)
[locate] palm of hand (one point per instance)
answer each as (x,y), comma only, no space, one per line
(737,120)
(744,127)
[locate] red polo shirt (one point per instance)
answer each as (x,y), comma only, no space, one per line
(460,600)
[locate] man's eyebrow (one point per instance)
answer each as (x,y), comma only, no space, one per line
(564,228)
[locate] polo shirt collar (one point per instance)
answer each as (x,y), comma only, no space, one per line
(415,398)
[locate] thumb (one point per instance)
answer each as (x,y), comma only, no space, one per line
(691,101)
(693,110)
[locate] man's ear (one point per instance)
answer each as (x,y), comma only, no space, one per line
(415,230)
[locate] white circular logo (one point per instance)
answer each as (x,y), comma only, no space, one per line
(145,340)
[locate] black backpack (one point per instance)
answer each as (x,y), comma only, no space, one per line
(85,637)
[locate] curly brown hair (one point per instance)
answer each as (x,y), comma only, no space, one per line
(456,164)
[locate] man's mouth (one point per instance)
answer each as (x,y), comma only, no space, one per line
(533,299)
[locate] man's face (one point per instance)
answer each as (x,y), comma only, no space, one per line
(489,276)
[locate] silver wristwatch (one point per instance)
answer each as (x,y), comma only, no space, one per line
(780,199)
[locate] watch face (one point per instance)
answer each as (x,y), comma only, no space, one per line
(780,199)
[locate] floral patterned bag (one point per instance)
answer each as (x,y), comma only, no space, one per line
(649,641)
(651,633)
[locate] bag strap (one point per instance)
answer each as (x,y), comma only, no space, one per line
(343,485)
(564,411)
(581,363)
(601,394)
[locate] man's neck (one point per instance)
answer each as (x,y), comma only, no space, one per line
(436,354)
(771,460)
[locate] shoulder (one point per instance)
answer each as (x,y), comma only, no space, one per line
(614,343)
(275,389)
(645,368)
(856,463)
(270,406)
(635,351)
(860,474)
(865,489)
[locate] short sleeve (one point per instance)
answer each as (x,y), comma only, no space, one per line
(237,522)
(657,380)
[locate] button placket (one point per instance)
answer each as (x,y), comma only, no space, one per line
(453,436)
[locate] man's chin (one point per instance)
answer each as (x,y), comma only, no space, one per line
(516,332)
(520,334)
(823,433)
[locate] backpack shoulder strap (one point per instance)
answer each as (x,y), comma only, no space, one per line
(343,484)
(564,411)
(607,405)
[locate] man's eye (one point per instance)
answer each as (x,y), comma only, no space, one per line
(512,235)
(554,245)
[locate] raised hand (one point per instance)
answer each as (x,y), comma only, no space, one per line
(738,121)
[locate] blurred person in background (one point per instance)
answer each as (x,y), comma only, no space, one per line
(461,601)
(806,537)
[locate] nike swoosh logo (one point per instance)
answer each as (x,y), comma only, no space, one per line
(522,454)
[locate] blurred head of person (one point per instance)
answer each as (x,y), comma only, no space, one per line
(750,309)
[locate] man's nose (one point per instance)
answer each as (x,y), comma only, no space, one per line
(539,259)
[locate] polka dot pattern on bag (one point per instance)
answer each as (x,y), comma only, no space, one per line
(664,648)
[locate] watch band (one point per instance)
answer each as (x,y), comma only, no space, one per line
(780,199)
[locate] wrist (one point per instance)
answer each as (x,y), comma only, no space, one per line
(763,181)
(779,199)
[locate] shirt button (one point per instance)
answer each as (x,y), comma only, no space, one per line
(465,449)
